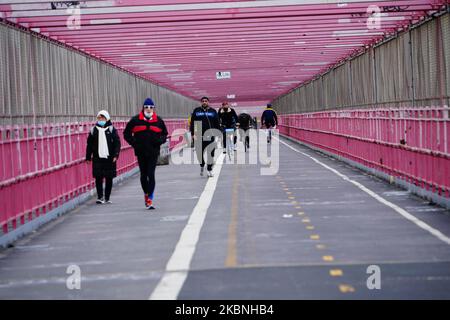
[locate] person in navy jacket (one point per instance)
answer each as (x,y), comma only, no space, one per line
(207,118)
(146,132)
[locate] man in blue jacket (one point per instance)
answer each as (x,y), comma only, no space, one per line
(204,118)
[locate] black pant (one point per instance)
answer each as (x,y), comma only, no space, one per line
(147,166)
(209,155)
(225,138)
(99,186)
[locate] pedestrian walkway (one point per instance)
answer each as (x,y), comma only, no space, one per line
(309,232)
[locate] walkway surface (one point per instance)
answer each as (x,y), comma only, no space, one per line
(307,232)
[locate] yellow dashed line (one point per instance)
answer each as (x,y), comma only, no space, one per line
(336,273)
(320,246)
(294,202)
(298,207)
(328,258)
(345,288)
(314,237)
(306,220)
(310,227)
(292,198)
(301,213)
(288,192)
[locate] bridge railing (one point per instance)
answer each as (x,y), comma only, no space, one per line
(43,166)
(412,144)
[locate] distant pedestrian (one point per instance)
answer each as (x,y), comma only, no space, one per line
(146,132)
(103,148)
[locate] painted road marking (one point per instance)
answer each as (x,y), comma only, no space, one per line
(178,265)
(231,259)
(320,246)
(438,234)
(314,237)
(328,258)
(306,220)
(310,227)
(336,273)
(345,288)
(301,213)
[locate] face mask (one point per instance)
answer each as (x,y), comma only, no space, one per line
(148,114)
(101,123)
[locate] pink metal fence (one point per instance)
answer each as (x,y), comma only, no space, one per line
(408,143)
(43,167)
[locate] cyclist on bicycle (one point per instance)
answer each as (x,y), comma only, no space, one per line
(269,120)
(245,123)
(227,119)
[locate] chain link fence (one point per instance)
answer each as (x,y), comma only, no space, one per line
(44,82)
(412,70)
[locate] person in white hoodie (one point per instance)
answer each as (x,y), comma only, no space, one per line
(103,148)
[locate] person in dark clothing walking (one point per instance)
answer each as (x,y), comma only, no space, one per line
(103,148)
(146,132)
(227,119)
(202,119)
(245,122)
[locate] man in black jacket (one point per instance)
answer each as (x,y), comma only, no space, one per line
(202,119)
(227,119)
(146,132)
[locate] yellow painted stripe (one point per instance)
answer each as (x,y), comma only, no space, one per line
(328,258)
(314,237)
(345,288)
(310,227)
(306,220)
(320,246)
(231,259)
(336,273)
(298,207)
(301,213)
(292,198)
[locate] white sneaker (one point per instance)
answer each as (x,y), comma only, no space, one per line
(100,201)
(210,174)
(202,169)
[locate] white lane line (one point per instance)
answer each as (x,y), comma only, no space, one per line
(177,267)
(438,234)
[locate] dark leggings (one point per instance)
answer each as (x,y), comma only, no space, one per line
(225,138)
(209,155)
(99,186)
(147,166)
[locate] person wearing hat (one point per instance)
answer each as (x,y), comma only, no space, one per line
(103,148)
(146,132)
(204,118)
(228,120)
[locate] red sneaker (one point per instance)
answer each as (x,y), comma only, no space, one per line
(148,202)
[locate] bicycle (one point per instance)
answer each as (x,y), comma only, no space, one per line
(269,132)
(246,134)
